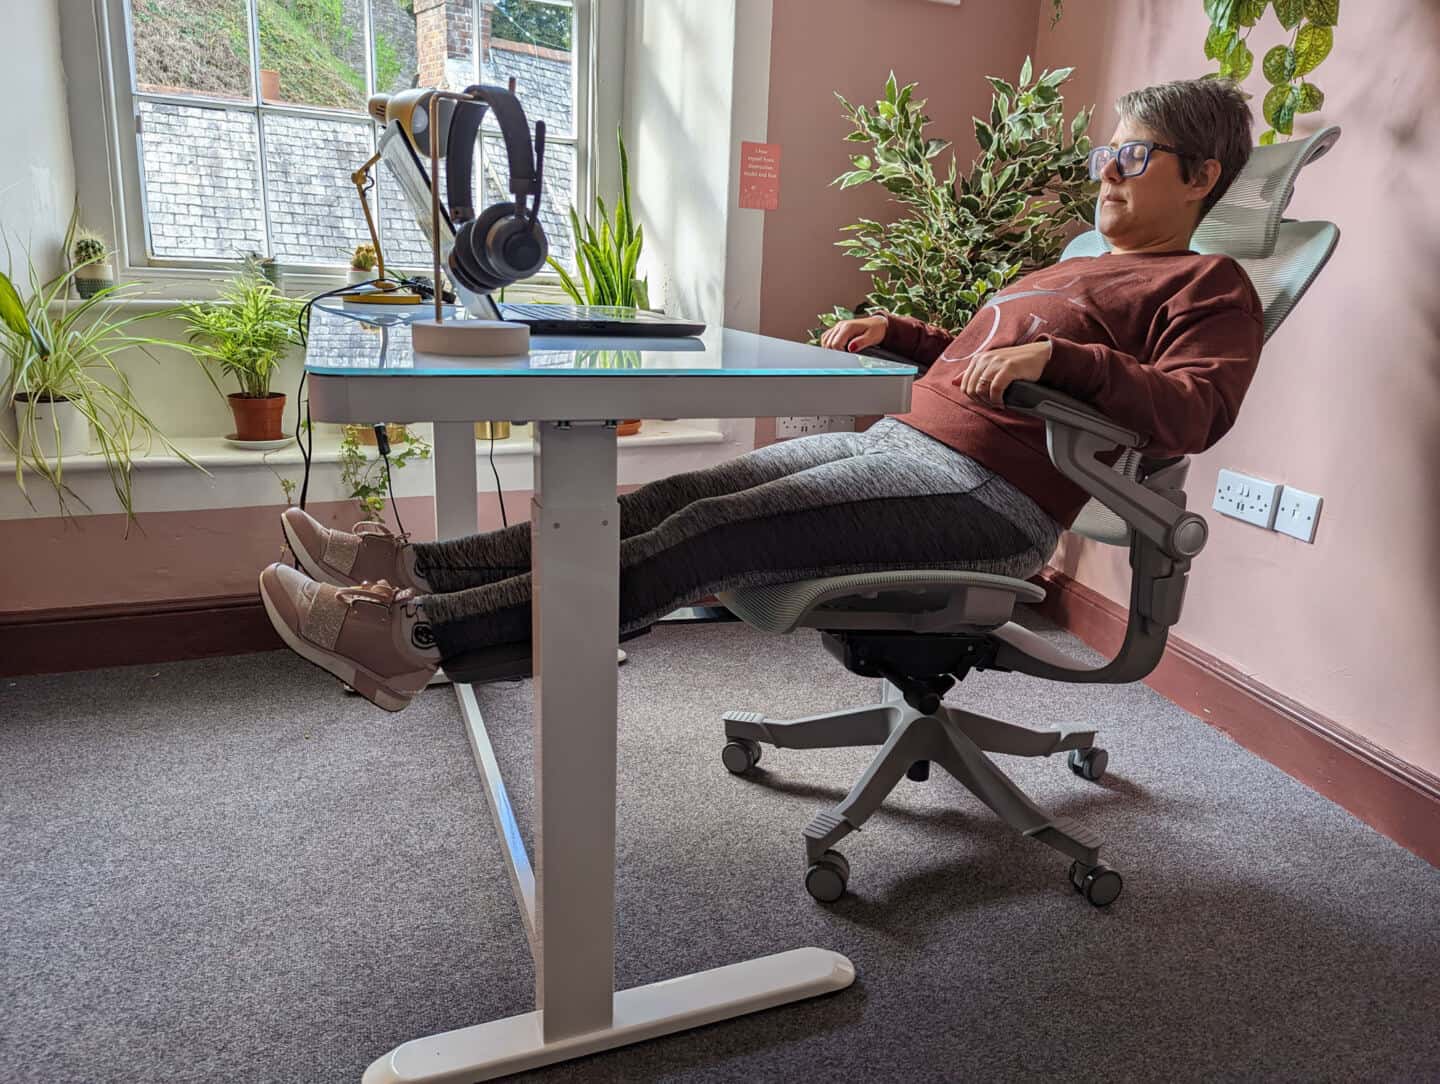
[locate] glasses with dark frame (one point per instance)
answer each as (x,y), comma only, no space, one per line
(1133,157)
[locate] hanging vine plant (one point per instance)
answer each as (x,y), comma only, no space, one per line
(1312,26)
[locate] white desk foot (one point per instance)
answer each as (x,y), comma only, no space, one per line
(487,1051)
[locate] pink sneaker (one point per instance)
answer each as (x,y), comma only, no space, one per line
(372,637)
(370,552)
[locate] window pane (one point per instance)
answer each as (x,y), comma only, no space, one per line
(315,214)
(187,48)
(397,63)
(555,199)
(531,40)
(406,248)
(202,181)
(312,52)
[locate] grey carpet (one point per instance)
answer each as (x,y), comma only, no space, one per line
(229,871)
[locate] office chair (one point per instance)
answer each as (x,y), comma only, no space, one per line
(922,631)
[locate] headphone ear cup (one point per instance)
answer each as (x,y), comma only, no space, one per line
(480,248)
(524,247)
(462,263)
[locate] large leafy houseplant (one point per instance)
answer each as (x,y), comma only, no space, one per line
(246,332)
(606,258)
(60,353)
(965,236)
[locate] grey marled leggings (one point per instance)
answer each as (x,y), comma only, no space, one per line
(827,505)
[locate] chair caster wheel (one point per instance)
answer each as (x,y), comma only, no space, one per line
(740,755)
(1089,763)
(1100,885)
(827,878)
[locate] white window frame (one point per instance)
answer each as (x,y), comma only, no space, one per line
(103,109)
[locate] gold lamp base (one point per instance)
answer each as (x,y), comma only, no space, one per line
(484,430)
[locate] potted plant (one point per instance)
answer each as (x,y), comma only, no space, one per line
(60,370)
(264,266)
(367,480)
(362,263)
(246,332)
(606,259)
(960,238)
(90,260)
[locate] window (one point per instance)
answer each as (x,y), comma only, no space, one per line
(249,118)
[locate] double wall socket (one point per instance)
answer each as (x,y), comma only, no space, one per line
(1251,499)
(805,426)
(1267,504)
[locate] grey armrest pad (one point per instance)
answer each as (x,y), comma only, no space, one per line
(1036,398)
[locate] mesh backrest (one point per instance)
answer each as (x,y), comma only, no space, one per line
(1281,257)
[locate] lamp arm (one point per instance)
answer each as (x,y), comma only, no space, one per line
(359,177)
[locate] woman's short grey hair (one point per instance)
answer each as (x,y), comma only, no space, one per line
(1209,118)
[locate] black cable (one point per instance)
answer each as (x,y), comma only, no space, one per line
(382,442)
(499,493)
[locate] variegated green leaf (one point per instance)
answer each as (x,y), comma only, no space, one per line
(1279,64)
(1311,98)
(1312,45)
(1290,12)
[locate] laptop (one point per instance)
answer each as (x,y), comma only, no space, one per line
(566,319)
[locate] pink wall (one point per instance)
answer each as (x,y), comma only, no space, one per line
(1346,402)
(175,555)
(818,47)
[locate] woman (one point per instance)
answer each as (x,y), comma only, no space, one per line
(1157,337)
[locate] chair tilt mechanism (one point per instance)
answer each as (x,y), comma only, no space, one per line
(922,631)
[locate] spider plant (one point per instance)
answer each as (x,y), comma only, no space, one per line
(55,349)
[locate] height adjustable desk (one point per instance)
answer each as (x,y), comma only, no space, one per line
(574,390)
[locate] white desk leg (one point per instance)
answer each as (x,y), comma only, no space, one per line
(575,530)
(456,514)
(575,543)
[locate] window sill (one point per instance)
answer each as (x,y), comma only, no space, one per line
(239,478)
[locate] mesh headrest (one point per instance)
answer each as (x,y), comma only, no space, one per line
(1246,221)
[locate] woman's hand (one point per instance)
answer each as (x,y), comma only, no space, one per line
(855,335)
(989,374)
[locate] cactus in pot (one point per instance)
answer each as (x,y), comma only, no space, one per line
(90,260)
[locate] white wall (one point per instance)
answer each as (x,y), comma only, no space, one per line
(679,64)
(37,174)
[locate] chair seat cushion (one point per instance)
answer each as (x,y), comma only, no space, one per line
(916,600)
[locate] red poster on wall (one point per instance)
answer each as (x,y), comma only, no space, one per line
(760,176)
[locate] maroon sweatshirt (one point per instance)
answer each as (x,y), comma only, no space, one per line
(1161,343)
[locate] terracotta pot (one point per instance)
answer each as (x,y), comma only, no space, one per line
(270,84)
(628,428)
(258,418)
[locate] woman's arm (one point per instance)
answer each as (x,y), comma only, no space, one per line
(1187,398)
(914,339)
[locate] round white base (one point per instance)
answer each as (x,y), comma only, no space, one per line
(470,338)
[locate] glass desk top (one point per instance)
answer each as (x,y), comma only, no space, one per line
(358,341)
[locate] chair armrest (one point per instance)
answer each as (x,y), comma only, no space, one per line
(1032,398)
(1074,433)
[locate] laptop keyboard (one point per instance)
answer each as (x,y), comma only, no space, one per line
(577,312)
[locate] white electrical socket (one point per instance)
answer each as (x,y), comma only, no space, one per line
(1252,499)
(805,426)
(1298,514)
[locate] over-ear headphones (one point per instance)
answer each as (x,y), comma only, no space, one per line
(506,242)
